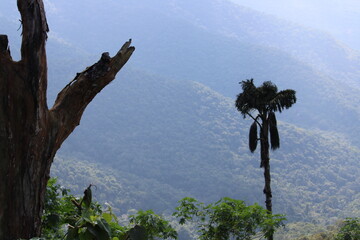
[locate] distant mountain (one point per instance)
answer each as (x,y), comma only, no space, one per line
(183,139)
(112,21)
(219,44)
(144,21)
(341,18)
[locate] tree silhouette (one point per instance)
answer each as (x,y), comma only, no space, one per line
(30,132)
(260,104)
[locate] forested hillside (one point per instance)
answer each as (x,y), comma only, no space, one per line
(167,127)
(183,137)
(221,44)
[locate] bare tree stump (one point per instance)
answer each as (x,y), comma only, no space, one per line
(30,133)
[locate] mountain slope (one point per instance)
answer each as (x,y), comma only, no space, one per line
(183,138)
(219,44)
(144,21)
(338,17)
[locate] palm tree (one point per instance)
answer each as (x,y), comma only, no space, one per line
(260,104)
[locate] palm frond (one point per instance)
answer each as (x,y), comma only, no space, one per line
(246,101)
(274,134)
(253,137)
(264,98)
(267,91)
(283,100)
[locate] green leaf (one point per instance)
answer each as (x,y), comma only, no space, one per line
(53,219)
(87,197)
(103,225)
(97,232)
(138,233)
(107,216)
(86,235)
(72,234)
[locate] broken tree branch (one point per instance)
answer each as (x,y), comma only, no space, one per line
(73,99)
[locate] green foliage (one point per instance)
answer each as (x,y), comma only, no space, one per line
(350,230)
(306,231)
(154,225)
(58,208)
(86,220)
(265,98)
(228,219)
(81,218)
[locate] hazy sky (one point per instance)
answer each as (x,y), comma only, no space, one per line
(341,18)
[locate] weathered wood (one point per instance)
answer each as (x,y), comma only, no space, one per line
(4,47)
(73,99)
(4,42)
(30,133)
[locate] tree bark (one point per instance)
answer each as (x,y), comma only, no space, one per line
(265,163)
(30,133)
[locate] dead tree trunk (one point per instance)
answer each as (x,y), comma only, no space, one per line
(30,133)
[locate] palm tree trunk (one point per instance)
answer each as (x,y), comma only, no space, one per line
(265,163)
